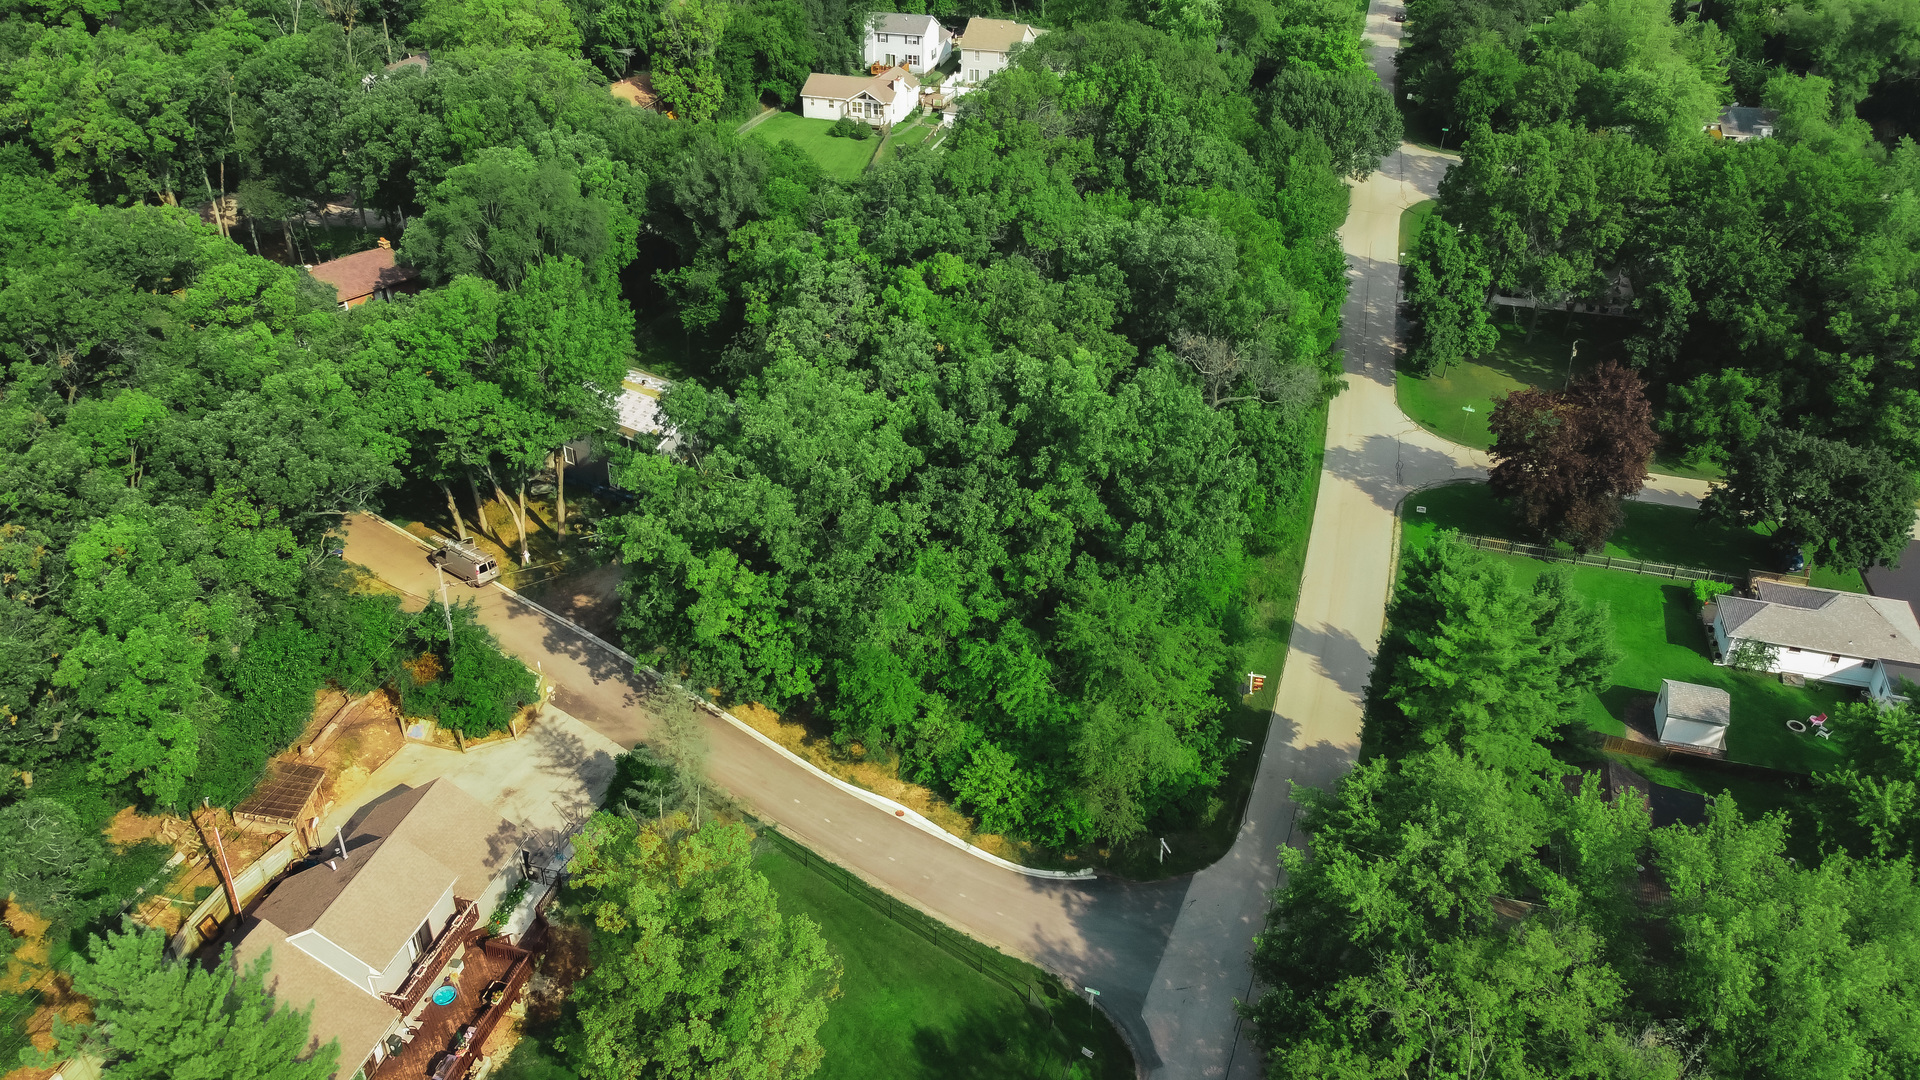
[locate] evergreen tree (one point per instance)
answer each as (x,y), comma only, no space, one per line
(1472,661)
(161,1019)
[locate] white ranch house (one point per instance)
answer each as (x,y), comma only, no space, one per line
(985,47)
(1848,639)
(886,98)
(915,42)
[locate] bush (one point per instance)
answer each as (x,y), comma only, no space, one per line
(860,131)
(844,127)
(1704,592)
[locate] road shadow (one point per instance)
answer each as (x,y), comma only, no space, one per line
(1121,929)
(1386,467)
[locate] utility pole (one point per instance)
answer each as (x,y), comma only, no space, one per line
(445,611)
(1568,381)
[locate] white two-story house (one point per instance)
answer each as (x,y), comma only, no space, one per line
(1849,639)
(985,47)
(915,42)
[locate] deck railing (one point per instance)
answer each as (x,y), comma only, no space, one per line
(428,967)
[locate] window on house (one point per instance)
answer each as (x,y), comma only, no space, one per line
(913,61)
(913,39)
(1791,648)
(889,59)
(1835,658)
(423,939)
(974,75)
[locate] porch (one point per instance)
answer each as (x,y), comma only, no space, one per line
(441,1042)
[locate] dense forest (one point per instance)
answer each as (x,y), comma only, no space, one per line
(981,443)
(1773,281)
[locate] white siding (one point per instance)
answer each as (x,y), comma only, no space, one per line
(816,108)
(1827,667)
(920,51)
(1693,733)
(389,980)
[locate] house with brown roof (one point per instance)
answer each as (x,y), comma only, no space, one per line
(885,98)
(365,933)
(986,46)
(1850,639)
(366,275)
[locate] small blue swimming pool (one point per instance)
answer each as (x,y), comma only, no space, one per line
(445,995)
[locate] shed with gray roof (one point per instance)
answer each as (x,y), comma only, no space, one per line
(1692,715)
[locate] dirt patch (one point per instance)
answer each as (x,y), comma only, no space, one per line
(880,777)
(27,972)
(563,959)
(1638,718)
(366,738)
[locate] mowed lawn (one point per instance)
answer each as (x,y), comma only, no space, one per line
(1674,535)
(909,1010)
(1439,402)
(1656,624)
(842,159)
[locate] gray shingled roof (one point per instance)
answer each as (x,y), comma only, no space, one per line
(892,22)
(1823,620)
(1691,701)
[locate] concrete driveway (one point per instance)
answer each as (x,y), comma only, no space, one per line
(547,781)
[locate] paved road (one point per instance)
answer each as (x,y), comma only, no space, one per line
(1169,957)
(1101,933)
(1375,455)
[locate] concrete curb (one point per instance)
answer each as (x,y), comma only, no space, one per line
(904,813)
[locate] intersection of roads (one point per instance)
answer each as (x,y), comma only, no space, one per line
(1170,958)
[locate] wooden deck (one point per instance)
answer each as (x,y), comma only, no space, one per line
(436,1048)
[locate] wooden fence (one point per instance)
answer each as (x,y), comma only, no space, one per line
(1607,562)
(249,883)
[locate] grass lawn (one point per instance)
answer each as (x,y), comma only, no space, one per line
(1656,625)
(908,1009)
(1652,533)
(915,133)
(843,159)
(1436,402)
(1412,219)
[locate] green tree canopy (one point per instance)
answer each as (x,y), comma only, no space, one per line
(694,973)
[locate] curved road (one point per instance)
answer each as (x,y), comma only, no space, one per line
(1169,957)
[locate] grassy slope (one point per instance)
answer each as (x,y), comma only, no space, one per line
(843,159)
(915,133)
(1411,220)
(911,1010)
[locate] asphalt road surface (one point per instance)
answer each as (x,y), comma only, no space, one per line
(1170,957)
(1102,933)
